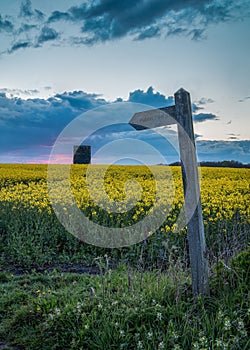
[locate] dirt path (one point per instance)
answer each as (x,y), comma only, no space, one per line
(69,268)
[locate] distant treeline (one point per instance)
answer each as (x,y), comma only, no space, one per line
(221,164)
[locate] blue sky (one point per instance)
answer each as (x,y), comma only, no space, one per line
(61,58)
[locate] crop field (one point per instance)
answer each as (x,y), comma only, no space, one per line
(47,303)
(32,234)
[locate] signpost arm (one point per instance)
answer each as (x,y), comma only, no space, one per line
(195,227)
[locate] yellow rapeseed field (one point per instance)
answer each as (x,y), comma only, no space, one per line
(224,191)
(115,196)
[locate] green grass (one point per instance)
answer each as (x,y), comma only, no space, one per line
(126,309)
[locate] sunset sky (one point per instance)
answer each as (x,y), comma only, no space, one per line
(61,58)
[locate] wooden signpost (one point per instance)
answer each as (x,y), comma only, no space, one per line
(181,114)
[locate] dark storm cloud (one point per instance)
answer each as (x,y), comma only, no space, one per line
(202,117)
(19,45)
(59,16)
(148,33)
(47,34)
(29,127)
(5,25)
(38,121)
(99,21)
(81,99)
(218,11)
(26,11)
(120,18)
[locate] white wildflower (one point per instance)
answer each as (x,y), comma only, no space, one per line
(161,345)
(175,335)
(139,345)
(159,316)
(240,324)
(149,335)
(57,311)
(227,324)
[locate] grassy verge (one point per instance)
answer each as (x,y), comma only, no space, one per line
(126,309)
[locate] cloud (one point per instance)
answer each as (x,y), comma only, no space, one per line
(19,45)
(27,122)
(81,100)
(29,127)
(197,34)
(39,14)
(118,18)
(54,111)
(205,101)
(94,22)
(26,28)
(202,117)
(224,150)
(151,98)
(18,92)
(47,34)
(244,99)
(233,136)
(5,25)
(151,32)
(59,16)
(146,19)
(196,136)
(26,11)
(198,105)
(176,31)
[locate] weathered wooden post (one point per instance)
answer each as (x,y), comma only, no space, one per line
(195,227)
(181,114)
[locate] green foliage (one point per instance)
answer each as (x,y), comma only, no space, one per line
(123,309)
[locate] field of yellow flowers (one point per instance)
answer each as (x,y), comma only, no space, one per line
(116,197)
(132,297)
